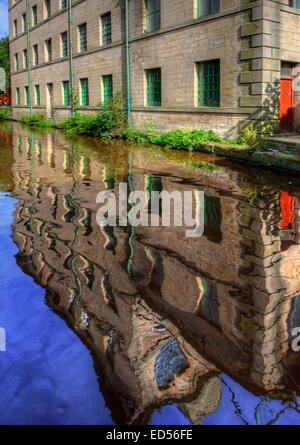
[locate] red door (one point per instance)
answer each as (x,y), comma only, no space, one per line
(286,106)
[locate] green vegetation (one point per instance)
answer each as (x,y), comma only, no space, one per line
(5,113)
(110,121)
(4,59)
(37,120)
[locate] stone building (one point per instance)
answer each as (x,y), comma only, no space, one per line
(212,64)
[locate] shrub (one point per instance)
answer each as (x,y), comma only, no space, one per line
(117,109)
(5,113)
(37,120)
(92,125)
(249,136)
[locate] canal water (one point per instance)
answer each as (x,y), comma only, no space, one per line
(144,325)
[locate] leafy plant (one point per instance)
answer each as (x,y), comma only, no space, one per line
(5,113)
(249,135)
(37,120)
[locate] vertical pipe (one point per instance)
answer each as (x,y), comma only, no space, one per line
(128,63)
(29,56)
(71,55)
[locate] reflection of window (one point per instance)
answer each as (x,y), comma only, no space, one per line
(35,55)
(212,219)
(49,50)
(294,4)
(15,28)
(25,58)
(209,306)
(294,316)
(24,21)
(154,184)
(209,84)
(207,7)
(152,15)
(34,15)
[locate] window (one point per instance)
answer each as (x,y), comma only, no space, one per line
(37,95)
(18,95)
(26,96)
(35,55)
(107,82)
(17,62)
(25,59)
(15,28)
(66,92)
(34,15)
(47,8)
(63,4)
(24,22)
(106,29)
(153,87)
(82,38)
(84,84)
(48,44)
(209,84)
(64,45)
(207,7)
(295,4)
(152,15)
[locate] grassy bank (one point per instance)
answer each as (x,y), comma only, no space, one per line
(111,122)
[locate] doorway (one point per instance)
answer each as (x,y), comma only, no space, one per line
(286,98)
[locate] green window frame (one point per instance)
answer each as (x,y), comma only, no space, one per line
(15,28)
(25,58)
(153,78)
(37,95)
(17,61)
(18,95)
(35,55)
(48,8)
(49,49)
(107,82)
(84,85)
(64,44)
(66,92)
(106,28)
(82,37)
(63,4)
(152,15)
(26,96)
(34,15)
(209,84)
(24,21)
(207,7)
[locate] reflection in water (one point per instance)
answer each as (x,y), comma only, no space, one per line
(167,318)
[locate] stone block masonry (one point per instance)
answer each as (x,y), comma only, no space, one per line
(247,40)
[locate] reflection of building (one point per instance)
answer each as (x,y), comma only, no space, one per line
(161,313)
(213,64)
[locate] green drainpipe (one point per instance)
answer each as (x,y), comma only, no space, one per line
(29,55)
(71,54)
(128,63)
